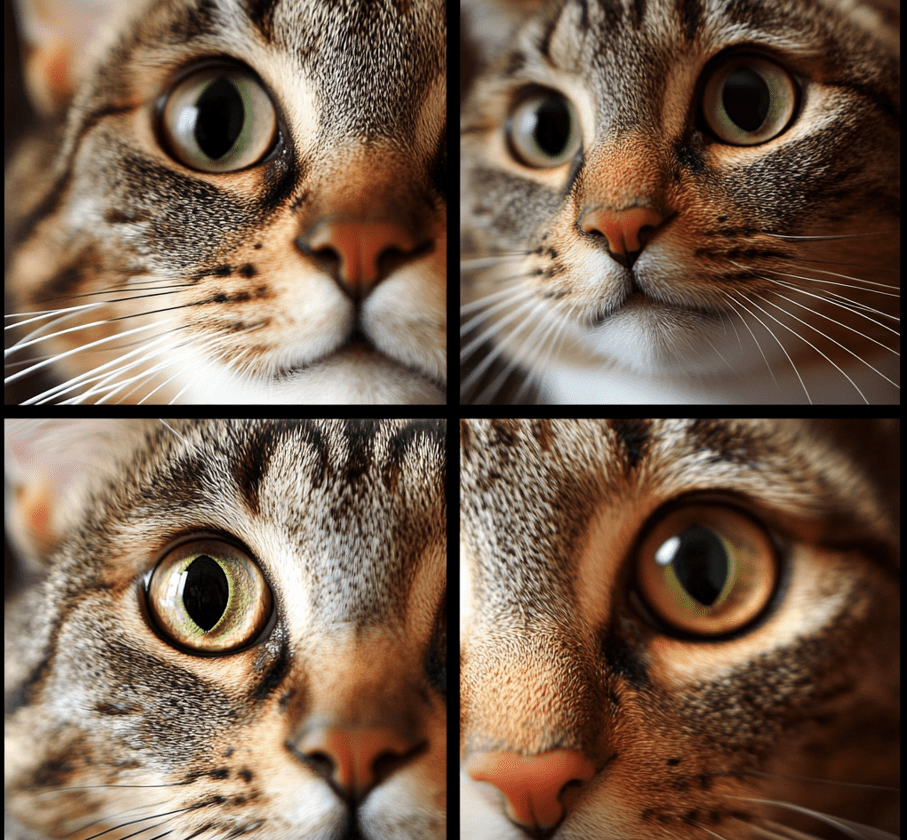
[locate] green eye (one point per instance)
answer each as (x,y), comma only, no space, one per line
(543,131)
(219,120)
(210,596)
(749,100)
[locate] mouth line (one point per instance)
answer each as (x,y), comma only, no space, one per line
(640,300)
(357,340)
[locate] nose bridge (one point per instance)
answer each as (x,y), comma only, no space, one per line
(626,171)
(365,219)
(542,694)
(363,180)
(363,719)
(362,678)
(621,201)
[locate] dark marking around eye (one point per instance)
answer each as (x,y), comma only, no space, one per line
(691,13)
(623,661)
(274,675)
(690,158)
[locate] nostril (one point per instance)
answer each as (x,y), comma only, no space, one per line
(532,785)
(321,763)
(624,233)
(354,759)
(359,253)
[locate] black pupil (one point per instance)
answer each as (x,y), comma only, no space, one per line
(746,98)
(220,118)
(206,592)
(701,565)
(553,126)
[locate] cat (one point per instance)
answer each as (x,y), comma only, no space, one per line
(679,629)
(231,202)
(680,202)
(232,629)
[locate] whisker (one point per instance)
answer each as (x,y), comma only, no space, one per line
(836,236)
(483,302)
(895,293)
(88,376)
(834,341)
(778,341)
(479,263)
(857,831)
(81,349)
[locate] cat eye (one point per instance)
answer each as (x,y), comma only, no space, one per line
(542,131)
(219,119)
(209,596)
(748,100)
(706,570)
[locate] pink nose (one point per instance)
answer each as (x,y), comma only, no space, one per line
(352,757)
(531,785)
(354,249)
(624,230)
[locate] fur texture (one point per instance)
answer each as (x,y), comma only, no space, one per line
(148,278)
(687,734)
(651,255)
(113,728)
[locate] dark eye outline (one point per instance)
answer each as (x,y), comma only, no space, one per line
(526,96)
(174,545)
(738,505)
(186,73)
(736,56)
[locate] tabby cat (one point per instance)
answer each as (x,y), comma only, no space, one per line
(236,629)
(232,202)
(679,629)
(680,201)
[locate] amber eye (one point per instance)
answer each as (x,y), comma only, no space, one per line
(210,596)
(219,119)
(706,570)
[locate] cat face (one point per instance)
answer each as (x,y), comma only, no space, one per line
(239,631)
(248,207)
(661,203)
(677,629)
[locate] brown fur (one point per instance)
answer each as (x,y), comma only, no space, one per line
(214,267)
(794,228)
(113,727)
(685,734)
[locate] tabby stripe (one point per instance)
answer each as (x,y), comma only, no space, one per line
(633,436)
(261,14)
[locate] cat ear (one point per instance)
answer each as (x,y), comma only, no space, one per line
(48,465)
(60,38)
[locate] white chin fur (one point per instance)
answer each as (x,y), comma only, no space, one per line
(354,376)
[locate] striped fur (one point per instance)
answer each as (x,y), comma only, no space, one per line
(113,730)
(199,287)
(691,738)
(770,273)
